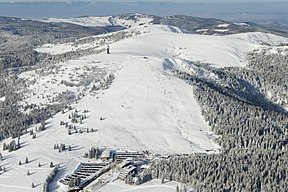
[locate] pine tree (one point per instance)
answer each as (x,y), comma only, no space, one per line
(177,189)
(85,155)
(78,181)
(51,164)
(72,182)
(26,160)
(32,185)
(18,144)
(12,146)
(4,146)
(63,147)
(97,153)
(162,180)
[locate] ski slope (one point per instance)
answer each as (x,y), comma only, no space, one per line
(169,42)
(145,107)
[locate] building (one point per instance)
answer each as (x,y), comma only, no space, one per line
(106,154)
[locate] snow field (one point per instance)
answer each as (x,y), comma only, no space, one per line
(103,21)
(145,107)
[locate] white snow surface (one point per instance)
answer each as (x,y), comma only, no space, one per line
(221,30)
(98,42)
(166,42)
(151,186)
(102,21)
(2,99)
(145,107)
(283,50)
(242,24)
(223,25)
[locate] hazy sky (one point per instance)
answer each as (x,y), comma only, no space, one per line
(259,11)
(174,1)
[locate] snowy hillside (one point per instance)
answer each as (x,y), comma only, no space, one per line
(144,87)
(85,21)
(131,98)
(129,20)
(168,42)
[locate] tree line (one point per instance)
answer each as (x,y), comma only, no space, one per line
(253,130)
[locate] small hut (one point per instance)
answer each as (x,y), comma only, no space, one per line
(106,154)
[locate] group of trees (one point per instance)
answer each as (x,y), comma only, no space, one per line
(17,51)
(2,168)
(9,109)
(104,83)
(207,26)
(76,118)
(17,116)
(20,37)
(12,146)
(26,161)
(253,130)
(49,179)
(18,44)
(139,178)
(93,153)
(272,73)
(13,121)
(62,147)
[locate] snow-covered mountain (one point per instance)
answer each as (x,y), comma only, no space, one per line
(132,98)
(126,20)
(187,24)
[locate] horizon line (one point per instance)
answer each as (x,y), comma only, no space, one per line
(114,1)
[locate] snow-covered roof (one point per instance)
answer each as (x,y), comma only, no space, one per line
(106,153)
(130,168)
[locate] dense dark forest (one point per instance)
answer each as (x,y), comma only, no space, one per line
(252,129)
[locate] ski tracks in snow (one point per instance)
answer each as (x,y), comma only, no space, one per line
(182,117)
(166,84)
